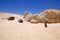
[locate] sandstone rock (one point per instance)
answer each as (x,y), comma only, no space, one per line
(52,15)
(25,14)
(29,18)
(35,17)
(34,21)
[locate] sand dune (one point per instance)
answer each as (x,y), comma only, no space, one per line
(13,30)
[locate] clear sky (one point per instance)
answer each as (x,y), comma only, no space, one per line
(35,6)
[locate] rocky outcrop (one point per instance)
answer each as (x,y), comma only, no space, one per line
(50,15)
(29,17)
(25,14)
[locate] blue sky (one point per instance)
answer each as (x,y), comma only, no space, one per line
(35,6)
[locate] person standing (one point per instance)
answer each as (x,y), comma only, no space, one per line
(46,21)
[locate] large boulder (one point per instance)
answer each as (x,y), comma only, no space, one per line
(52,15)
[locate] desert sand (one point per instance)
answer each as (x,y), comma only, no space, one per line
(13,30)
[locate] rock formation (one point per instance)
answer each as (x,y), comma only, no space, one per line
(52,16)
(35,19)
(29,17)
(25,14)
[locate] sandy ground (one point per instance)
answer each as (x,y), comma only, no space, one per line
(12,30)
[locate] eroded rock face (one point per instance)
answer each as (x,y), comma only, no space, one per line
(34,21)
(25,14)
(29,18)
(52,15)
